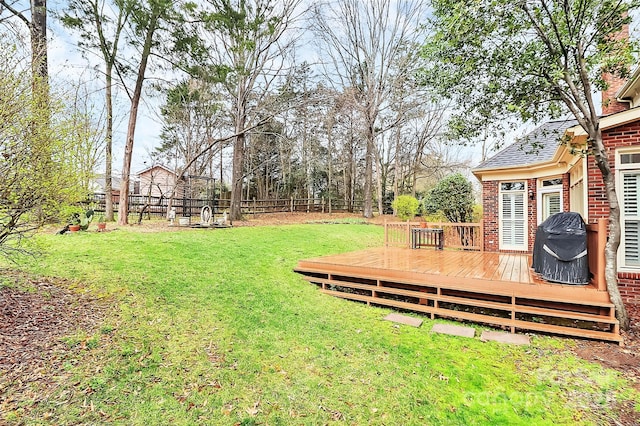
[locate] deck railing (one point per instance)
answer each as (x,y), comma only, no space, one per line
(465,236)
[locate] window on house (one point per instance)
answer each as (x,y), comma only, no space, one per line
(551,182)
(513,217)
(550,204)
(631,158)
(628,189)
(631,218)
(549,198)
(576,190)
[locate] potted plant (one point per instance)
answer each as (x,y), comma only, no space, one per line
(74,222)
(102,225)
(85,219)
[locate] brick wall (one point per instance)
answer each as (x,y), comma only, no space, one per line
(490,204)
(532,217)
(566,195)
(629,285)
(623,136)
(609,103)
(490,215)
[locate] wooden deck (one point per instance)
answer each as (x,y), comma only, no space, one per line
(492,288)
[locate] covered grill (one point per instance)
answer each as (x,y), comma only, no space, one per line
(560,249)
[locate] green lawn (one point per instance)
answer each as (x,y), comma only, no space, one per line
(213,327)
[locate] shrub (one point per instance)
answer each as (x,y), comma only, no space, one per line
(405,206)
(453,196)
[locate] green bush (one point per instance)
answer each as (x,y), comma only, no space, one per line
(453,197)
(405,206)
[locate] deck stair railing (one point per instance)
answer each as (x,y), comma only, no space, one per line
(464,236)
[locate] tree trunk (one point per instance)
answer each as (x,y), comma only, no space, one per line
(613,242)
(38,33)
(123,207)
(368,174)
(396,169)
(108,179)
(330,171)
(380,181)
(237,177)
(348,175)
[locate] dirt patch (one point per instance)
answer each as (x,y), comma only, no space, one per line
(265,219)
(269,219)
(35,315)
(625,357)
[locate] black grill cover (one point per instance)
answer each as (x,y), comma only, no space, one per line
(560,249)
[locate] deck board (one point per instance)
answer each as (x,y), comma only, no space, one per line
(506,276)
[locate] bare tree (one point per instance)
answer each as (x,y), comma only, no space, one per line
(87,136)
(366,44)
(247,46)
(148,20)
(192,116)
(101,29)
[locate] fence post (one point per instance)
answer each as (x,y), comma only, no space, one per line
(291,204)
(254,206)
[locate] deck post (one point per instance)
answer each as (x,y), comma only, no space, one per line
(408,234)
(436,302)
(386,233)
(513,313)
(491,282)
(596,241)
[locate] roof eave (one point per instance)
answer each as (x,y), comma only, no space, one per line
(624,93)
(557,164)
(157,166)
(609,121)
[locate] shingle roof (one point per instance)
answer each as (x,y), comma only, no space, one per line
(538,146)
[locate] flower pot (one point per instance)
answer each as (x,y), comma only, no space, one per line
(102,226)
(74,228)
(423,224)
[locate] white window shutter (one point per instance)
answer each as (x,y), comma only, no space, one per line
(513,220)
(631,216)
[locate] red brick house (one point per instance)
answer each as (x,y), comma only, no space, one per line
(537,176)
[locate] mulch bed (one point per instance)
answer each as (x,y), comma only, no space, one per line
(35,315)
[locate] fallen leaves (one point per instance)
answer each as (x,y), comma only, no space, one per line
(35,316)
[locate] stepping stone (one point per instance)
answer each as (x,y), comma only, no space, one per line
(497,336)
(403,319)
(454,330)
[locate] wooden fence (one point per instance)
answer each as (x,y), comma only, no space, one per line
(187,207)
(465,236)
